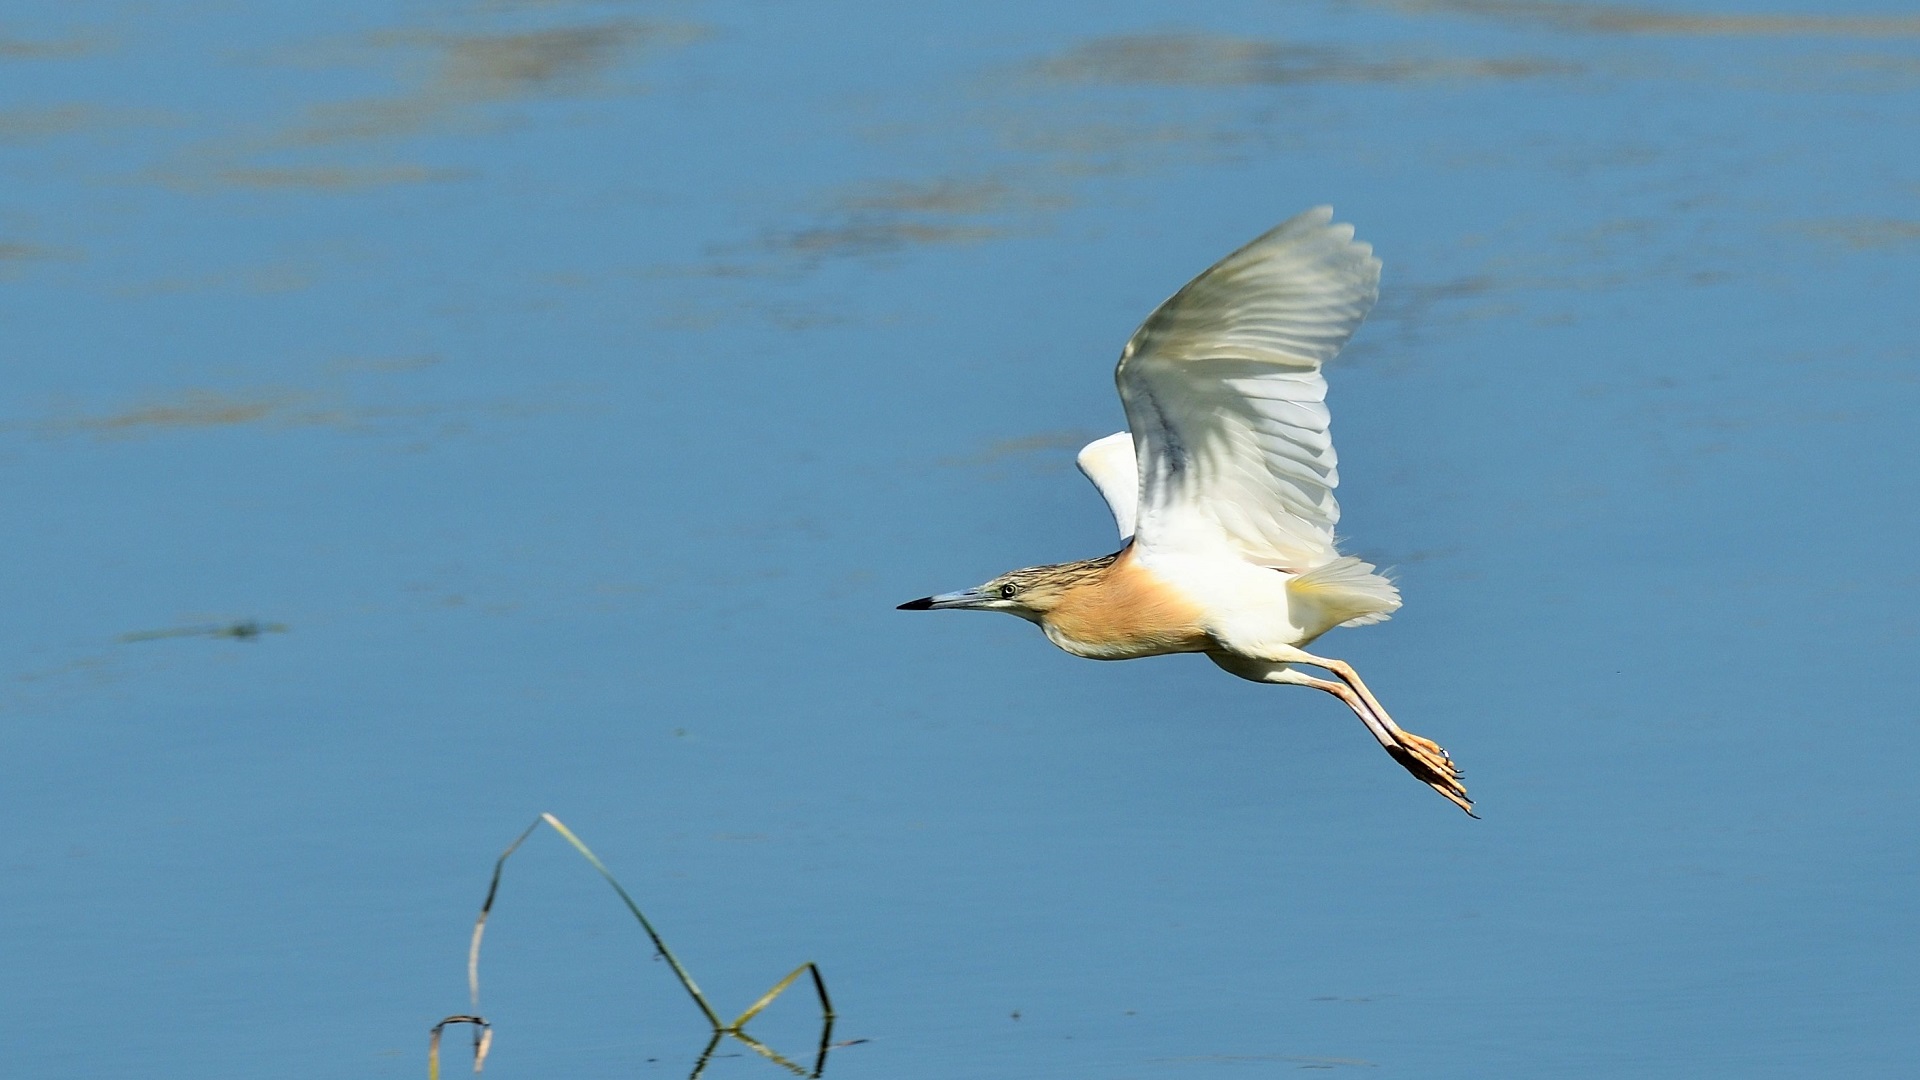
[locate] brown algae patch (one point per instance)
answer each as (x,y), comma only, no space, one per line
(197,409)
(470,70)
(20,125)
(946,196)
(875,238)
(1622,19)
(885,217)
(59,49)
(335,178)
(1865,234)
(17,251)
(1212,60)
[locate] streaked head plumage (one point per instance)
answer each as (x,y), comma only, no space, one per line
(1029,592)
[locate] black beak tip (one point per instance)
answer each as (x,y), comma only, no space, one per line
(925,603)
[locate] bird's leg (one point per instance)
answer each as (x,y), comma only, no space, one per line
(1425,759)
(1290,677)
(1344,671)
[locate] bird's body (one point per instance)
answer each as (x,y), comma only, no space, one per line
(1223,488)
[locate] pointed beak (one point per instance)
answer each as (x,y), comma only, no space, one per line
(965,598)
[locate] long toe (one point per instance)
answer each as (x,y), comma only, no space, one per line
(1432,748)
(1458,799)
(1428,765)
(1436,771)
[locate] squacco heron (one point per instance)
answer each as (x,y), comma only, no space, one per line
(1223,490)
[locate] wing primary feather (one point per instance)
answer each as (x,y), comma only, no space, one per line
(1225,396)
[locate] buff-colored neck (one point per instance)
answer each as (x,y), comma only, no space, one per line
(1120,610)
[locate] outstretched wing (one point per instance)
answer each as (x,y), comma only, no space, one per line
(1109,464)
(1223,391)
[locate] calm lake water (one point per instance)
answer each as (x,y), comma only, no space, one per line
(420,416)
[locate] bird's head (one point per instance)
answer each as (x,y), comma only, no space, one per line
(1030,593)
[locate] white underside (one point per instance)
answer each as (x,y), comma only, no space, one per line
(1258,611)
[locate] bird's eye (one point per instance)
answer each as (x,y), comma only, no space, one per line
(1007,590)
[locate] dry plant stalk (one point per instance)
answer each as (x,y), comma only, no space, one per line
(483,1031)
(482,1042)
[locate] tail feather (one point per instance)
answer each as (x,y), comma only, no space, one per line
(1345,592)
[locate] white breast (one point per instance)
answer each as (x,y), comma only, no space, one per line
(1244,606)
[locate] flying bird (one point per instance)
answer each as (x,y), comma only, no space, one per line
(1223,488)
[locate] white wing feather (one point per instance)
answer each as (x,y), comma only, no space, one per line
(1109,464)
(1223,391)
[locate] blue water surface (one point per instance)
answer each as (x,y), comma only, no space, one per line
(420,416)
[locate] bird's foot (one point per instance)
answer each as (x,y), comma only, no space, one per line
(1426,748)
(1430,763)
